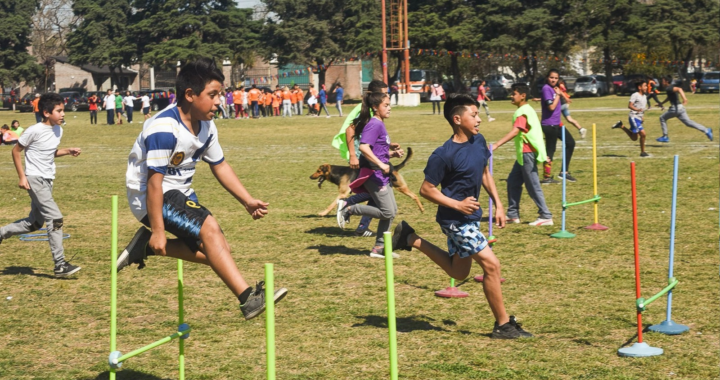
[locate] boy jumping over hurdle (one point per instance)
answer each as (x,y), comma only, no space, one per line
(460,167)
(159,186)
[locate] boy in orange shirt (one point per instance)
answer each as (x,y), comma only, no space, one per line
(276,101)
(254,98)
(293,100)
(237,102)
(267,109)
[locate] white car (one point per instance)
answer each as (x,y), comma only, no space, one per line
(505,79)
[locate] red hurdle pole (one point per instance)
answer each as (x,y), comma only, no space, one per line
(637,248)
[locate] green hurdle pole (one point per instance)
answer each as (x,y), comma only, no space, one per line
(390,285)
(113,281)
(270,320)
(181,321)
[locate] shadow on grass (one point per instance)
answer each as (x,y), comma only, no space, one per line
(338,250)
(9,271)
(316,216)
(612,155)
(634,337)
(128,375)
(330,231)
(405,324)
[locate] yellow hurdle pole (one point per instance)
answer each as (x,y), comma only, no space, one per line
(595,187)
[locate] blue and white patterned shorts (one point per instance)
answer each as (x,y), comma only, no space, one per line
(636,125)
(465,240)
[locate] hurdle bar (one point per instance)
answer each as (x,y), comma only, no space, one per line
(116,358)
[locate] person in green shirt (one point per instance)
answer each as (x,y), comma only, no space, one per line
(118,106)
(529,149)
(15,127)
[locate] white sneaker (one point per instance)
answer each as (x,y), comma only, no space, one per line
(381,255)
(513,220)
(491,119)
(341,220)
(542,222)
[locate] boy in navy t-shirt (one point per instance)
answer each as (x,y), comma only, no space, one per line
(460,167)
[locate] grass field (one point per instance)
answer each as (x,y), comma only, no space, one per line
(576,295)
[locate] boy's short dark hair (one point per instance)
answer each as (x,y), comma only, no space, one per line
(521,88)
(377,86)
(455,105)
(48,102)
(639,83)
(668,78)
(195,76)
(5,126)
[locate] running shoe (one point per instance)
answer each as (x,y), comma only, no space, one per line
(66,269)
(548,180)
(134,253)
(400,236)
(343,215)
(567,176)
(255,304)
(709,134)
(379,253)
(619,124)
(663,139)
(542,222)
(644,154)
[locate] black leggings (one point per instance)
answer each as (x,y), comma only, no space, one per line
(553,133)
(439,110)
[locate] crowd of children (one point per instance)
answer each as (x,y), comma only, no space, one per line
(244,103)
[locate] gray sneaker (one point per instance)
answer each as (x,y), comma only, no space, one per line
(66,269)
(255,304)
(134,253)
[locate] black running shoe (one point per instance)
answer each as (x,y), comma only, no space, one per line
(400,235)
(619,124)
(644,154)
(506,331)
(364,233)
(567,176)
(548,180)
(66,269)
(518,326)
(134,253)
(255,304)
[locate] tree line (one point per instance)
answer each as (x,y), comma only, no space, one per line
(119,33)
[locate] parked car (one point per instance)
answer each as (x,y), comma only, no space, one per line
(25,103)
(617,82)
(505,79)
(494,90)
(628,84)
(74,101)
(593,85)
(159,99)
(709,82)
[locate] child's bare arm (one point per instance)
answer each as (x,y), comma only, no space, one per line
(22,183)
(68,151)
(511,135)
(488,184)
(227,178)
(158,241)
(350,140)
(430,192)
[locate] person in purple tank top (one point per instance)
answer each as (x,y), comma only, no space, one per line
(375,167)
(553,129)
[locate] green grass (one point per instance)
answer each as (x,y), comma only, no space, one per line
(576,295)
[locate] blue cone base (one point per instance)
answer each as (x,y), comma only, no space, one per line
(669,328)
(563,235)
(640,350)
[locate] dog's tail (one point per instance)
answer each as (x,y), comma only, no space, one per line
(407,157)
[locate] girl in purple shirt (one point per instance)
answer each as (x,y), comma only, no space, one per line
(375,167)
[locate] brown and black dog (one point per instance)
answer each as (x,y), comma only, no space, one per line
(342,176)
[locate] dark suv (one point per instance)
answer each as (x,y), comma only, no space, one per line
(159,99)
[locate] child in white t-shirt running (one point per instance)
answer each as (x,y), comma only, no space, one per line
(637,106)
(40,143)
(159,177)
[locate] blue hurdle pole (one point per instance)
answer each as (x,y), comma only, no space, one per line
(668,326)
(563,234)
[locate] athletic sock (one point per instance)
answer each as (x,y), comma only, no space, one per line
(244,295)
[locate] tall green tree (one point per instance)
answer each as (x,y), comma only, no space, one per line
(452,25)
(528,28)
(684,28)
(16,64)
(320,32)
(102,38)
(615,23)
(168,31)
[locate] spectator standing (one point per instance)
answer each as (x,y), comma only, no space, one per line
(145,99)
(483,99)
(553,129)
(118,106)
(323,100)
(93,107)
(286,102)
(394,90)
(339,94)
(38,115)
(109,104)
(223,104)
(237,96)
(254,98)
(171,97)
(128,101)
(294,99)
(245,103)
(300,99)
(436,95)
(277,101)
(229,101)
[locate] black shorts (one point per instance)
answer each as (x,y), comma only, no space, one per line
(183,217)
